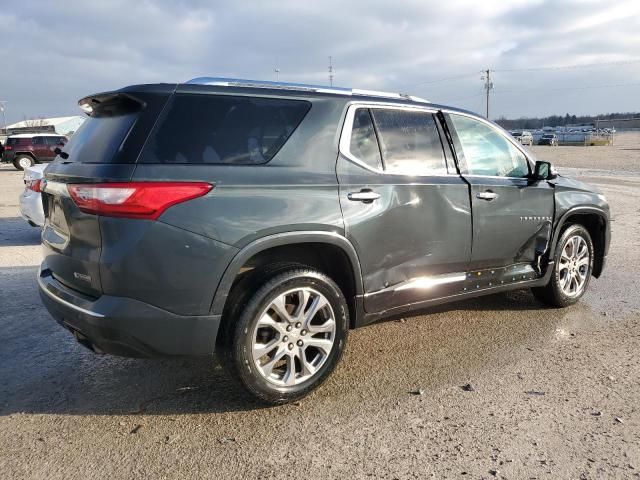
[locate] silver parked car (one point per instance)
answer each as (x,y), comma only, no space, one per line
(524,137)
(30,199)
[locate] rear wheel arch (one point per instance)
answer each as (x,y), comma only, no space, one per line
(595,222)
(327,252)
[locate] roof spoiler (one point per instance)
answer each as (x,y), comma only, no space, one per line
(123,102)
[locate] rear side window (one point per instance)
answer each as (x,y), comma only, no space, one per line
(37,141)
(410,142)
(220,129)
(364,145)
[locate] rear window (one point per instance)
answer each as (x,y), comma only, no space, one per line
(220,129)
(15,141)
(100,136)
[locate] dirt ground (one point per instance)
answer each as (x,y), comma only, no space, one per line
(555,393)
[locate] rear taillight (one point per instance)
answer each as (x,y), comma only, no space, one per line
(8,147)
(135,199)
(33,185)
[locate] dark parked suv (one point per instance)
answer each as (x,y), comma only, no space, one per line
(26,149)
(264,220)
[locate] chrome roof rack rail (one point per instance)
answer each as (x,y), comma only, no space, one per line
(237,82)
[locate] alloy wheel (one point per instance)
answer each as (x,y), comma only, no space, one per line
(293,337)
(574,265)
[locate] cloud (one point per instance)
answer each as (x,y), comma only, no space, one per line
(57,52)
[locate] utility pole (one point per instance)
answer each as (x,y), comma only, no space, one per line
(4,118)
(488,86)
(330,72)
(277,72)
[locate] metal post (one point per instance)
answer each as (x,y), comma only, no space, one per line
(4,118)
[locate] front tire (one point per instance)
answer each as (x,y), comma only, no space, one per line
(23,161)
(289,336)
(571,270)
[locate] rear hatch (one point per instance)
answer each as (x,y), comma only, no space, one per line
(103,150)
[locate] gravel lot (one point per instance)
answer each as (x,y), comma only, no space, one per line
(555,393)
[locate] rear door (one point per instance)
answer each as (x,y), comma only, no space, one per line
(405,209)
(512,214)
(104,149)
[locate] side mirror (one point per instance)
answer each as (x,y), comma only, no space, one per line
(543,171)
(55,149)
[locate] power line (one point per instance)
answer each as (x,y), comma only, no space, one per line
(583,87)
(459,99)
(456,77)
(568,67)
(528,69)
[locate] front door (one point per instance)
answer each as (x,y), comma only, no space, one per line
(512,214)
(406,211)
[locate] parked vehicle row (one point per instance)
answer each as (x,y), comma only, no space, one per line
(27,149)
(263,220)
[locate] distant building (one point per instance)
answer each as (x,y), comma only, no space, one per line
(61,125)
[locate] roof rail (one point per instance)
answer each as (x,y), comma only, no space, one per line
(238,82)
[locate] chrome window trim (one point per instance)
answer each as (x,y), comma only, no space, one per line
(347,128)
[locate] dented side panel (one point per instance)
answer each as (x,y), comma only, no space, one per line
(515,226)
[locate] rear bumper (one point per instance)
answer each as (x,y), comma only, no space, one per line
(124,326)
(31,207)
(8,156)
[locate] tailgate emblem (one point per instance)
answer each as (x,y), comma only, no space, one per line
(82,276)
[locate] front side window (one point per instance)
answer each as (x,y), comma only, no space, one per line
(410,142)
(486,151)
(222,129)
(363,144)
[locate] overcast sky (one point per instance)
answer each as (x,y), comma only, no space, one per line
(56,52)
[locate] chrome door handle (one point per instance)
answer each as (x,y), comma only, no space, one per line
(366,196)
(487,195)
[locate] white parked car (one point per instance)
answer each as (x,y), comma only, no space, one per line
(524,137)
(30,200)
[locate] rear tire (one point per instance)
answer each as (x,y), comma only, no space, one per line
(23,161)
(571,270)
(289,335)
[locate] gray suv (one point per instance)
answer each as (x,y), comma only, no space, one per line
(264,220)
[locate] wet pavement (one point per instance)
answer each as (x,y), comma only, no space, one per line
(555,392)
